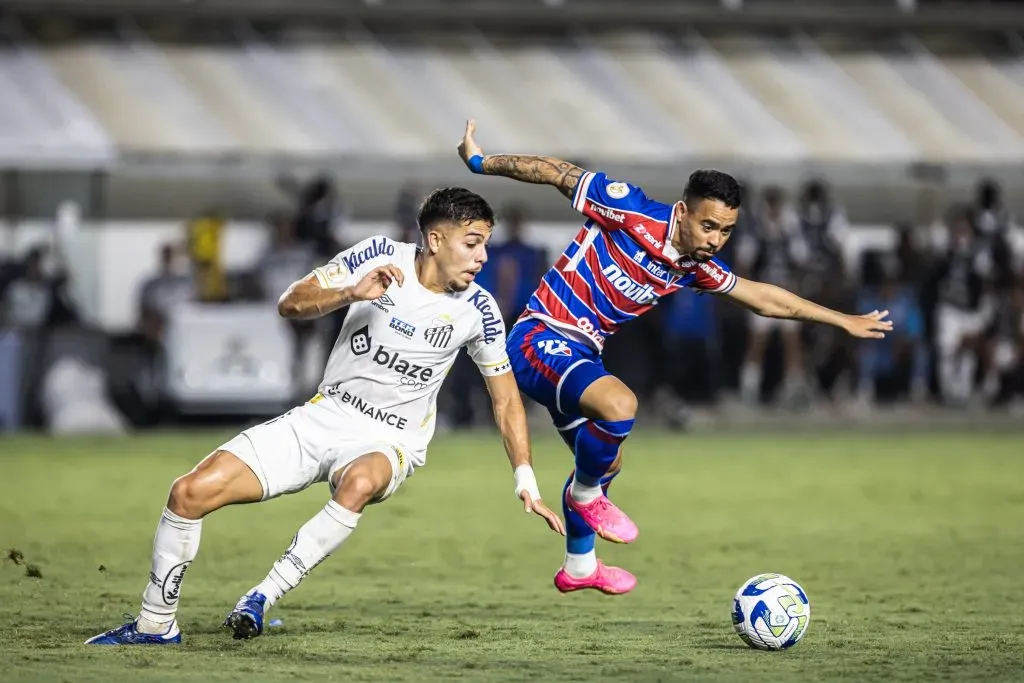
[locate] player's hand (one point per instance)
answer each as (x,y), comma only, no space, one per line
(468,147)
(377,281)
(537,507)
(872,325)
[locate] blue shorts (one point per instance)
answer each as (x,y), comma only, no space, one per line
(553,371)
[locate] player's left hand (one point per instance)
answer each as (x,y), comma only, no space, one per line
(872,325)
(468,147)
(537,507)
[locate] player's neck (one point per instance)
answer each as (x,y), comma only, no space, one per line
(428,275)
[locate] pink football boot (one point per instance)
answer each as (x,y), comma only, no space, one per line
(605,518)
(608,580)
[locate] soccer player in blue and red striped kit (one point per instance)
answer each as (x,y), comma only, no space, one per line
(630,252)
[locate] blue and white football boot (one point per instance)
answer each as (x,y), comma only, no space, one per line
(128,634)
(246,619)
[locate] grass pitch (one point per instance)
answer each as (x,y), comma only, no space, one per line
(910,548)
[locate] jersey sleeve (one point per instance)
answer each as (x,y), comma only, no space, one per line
(713,277)
(610,203)
(487,345)
(351,265)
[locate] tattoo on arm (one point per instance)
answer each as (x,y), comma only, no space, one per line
(535,169)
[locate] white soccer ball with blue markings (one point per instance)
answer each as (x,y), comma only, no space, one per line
(771,612)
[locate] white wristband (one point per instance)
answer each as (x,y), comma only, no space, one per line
(526,480)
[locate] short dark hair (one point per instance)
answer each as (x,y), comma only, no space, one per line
(710,184)
(454,204)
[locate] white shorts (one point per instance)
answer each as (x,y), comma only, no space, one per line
(763,325)
(309,444)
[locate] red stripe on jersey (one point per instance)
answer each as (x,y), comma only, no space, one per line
(534,360)
(553,304)
(581,288)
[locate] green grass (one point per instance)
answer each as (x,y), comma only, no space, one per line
(910,547)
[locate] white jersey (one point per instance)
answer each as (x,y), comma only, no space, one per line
(388,363)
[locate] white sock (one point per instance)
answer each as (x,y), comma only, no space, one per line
(318,538)
(174,547)
(583,493)
(580,566)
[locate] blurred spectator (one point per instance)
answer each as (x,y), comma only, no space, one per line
(964,307)
(891,367)
(205,235)
(407,208)
(37,296)
(1003,349)
(690,363)
(171,285)
(825,229)
(318,214)
(773,250)
(826,280)
(514,266)
(286,260)
(993,225)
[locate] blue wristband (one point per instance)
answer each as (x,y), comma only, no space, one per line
(476,163)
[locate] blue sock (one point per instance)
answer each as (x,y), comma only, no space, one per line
(597,446)
(579,538)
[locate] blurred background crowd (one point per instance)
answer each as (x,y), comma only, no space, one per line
(170,173)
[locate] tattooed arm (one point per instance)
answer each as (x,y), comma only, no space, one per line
(539,170)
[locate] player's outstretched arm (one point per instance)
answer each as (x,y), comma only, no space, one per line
(539,170)
(775,302)
(510,416)
(312,297)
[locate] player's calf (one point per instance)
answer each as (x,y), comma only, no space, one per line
(357,485)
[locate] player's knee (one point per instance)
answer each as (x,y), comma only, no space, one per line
(619,405)
(361,484)
(189,497)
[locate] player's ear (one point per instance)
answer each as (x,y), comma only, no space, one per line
(681,208)
(433,241)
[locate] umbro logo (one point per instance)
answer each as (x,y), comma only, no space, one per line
(383,302)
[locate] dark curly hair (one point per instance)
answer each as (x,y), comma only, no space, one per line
(709,184)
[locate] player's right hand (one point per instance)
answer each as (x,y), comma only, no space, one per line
(468,147)
(377,281)
(872,325)
(537,507)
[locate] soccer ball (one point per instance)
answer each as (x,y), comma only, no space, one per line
(771,612)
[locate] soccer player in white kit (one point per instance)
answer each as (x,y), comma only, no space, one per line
(367,428)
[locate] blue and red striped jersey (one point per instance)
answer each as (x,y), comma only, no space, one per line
(619,265)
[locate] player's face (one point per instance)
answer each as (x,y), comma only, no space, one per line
(703,227)
(463,253)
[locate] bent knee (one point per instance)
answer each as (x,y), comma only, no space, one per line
(190,497)
(620,405)
(362,483)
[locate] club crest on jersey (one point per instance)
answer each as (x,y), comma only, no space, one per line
(402,327)
(378,247)
(383,302)
(640,293)
(554,347)
(440,335)
(360,341)
(617,190)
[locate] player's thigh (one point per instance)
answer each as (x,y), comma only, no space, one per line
(286,453)
(220,479)
(367,471)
